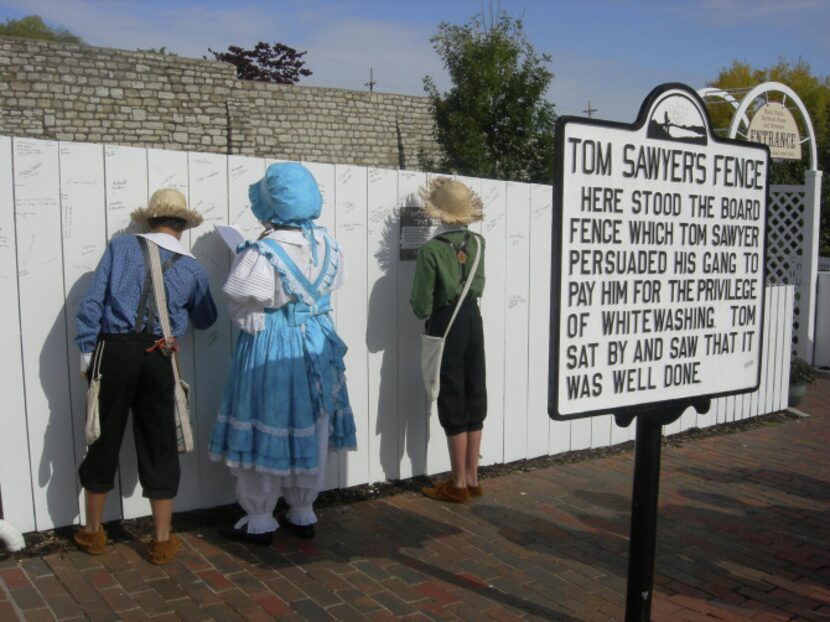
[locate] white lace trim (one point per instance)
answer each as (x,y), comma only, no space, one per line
(238,464)
(265,429)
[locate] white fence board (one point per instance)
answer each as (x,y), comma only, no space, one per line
(16,484)
(43,327)
(74,197)
(208,185)
(324,176)
(386,440)
(169,169)
(125,171)
(494,229)
(242,172)
(83,213)
(412,403)
(516,315)
(351,232)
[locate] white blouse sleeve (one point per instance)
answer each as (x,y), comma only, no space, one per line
(340,277)
(250,290)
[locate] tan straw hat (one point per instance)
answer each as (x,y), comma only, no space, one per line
(169,203)
(451,202)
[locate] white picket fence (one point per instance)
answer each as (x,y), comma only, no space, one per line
(63,201)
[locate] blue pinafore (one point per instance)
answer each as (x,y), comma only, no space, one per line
(286,376)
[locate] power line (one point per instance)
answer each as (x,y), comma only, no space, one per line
(589,111)
(371,83)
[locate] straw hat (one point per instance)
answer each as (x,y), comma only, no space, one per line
(170,203)
(451,202)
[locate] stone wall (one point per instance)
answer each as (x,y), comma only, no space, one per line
(82,93)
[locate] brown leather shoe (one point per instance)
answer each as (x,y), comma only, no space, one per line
(475,491)
(163,552)
(445,491)
(92,543)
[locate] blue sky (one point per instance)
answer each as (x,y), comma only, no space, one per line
(611,52)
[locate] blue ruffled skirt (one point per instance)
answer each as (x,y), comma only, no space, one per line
(281,380)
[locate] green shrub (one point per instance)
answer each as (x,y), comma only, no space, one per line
(801,372)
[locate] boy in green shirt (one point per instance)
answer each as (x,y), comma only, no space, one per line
(444,264)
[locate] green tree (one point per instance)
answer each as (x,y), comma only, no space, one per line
(276,62)
(495,121)
(32,27)
(814,91)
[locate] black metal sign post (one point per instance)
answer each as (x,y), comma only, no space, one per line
(657,283)
(644,498)
(643,533)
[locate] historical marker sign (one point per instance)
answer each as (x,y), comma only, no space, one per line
(658,282)
(416,229)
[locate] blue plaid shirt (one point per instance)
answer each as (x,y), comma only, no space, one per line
(111,302)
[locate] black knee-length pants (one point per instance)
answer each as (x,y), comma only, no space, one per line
(133,379)
(462,400)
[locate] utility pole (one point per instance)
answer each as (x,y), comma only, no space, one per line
(371,83)
(589,111)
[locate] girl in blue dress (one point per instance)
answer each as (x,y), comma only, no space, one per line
(285,403)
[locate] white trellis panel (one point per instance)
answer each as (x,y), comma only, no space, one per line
(16,483)
(789,231)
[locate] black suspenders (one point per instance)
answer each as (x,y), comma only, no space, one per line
(460,250)
(147,303)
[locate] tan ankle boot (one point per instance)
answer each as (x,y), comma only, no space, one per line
(445,491)
(92,543)
(163,552)
(475,491)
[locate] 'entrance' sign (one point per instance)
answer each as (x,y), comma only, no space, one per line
(658,281)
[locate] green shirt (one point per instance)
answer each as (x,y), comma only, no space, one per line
(438,274)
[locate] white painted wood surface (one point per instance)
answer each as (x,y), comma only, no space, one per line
(69,199)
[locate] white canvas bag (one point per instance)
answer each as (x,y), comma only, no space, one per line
(432,348)
(92,429)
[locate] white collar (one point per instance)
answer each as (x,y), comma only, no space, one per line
(168,242)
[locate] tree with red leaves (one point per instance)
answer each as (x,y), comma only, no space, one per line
(266,63)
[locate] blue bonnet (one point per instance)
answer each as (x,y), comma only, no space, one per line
(287,195)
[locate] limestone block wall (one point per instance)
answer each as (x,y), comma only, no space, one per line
(89,94)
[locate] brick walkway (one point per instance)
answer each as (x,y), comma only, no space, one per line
(743,534)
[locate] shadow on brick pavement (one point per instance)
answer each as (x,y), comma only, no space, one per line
(742,534)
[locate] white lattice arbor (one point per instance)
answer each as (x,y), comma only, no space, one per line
(794,213)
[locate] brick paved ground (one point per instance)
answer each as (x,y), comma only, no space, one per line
(743,534)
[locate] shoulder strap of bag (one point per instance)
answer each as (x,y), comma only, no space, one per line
(161,303)
(467,283)
(143,309)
